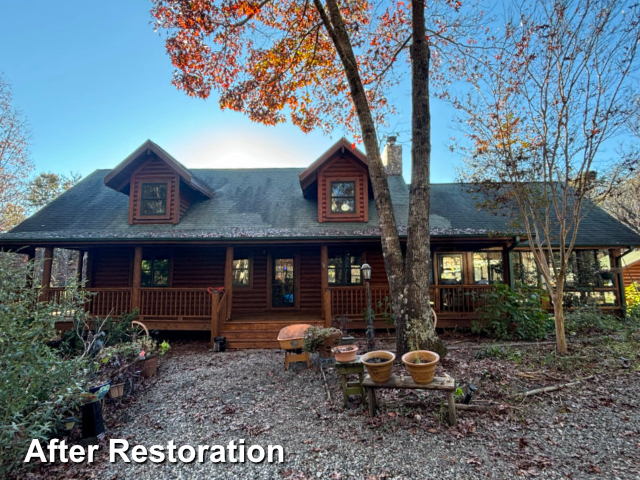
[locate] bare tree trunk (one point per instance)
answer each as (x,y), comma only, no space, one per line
(388,230)
(416,310)
(558,313)
(408,285)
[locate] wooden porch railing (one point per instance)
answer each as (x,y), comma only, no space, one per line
(101,302)
(458,298)
(175,302)
(352,301)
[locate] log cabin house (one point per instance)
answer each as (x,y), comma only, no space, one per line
(244,252)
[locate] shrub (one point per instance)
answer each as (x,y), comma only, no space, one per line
(590,319)
(509,314)
(632,295)
(38,385)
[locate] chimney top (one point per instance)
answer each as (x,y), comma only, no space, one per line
(392,156)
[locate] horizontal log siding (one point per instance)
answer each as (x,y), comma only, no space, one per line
(185,200)
(111,267)
(253,298)
(373,256)
(150,171)
(198,267)
(631,273)
(342,169)
(310,279)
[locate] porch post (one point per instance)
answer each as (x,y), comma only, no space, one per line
(137,277)
(215,331)
(324,284)
(31,254)
(507,267)
(80,265)
(619,279)
(228,281)
(46,272)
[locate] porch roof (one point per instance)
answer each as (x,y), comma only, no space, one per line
(252,204)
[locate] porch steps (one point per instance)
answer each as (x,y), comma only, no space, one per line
(257,334)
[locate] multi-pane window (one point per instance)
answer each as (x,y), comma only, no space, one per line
(344,269)
(589,268)
(450,269)
(155,272)
(487,268)
(241,272)
(525,270)
(343,197)
(153,199)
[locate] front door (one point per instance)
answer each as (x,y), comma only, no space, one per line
(283,283)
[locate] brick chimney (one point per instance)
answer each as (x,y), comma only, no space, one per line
(392,156)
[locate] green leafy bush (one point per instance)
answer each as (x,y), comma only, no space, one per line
(509,314)
(632,295)
(590,319)
(38,385)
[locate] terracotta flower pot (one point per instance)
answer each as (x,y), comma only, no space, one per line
(345,353)
(116,390)
(423,371)
(150,366)
(380,371)
(325,350)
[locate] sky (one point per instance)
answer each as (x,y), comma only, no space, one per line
(94,82)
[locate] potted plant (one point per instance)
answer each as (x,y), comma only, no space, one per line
(606,275)
(345,353)
(322,340)
(421,365)
(378,364)
(149,355)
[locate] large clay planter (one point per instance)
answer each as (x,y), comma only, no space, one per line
(424,371)
(379,372)
(325,350)
(150,366)
(346,353)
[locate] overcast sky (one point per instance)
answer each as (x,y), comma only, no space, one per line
(94,82)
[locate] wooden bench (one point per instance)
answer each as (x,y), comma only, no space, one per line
(446,384)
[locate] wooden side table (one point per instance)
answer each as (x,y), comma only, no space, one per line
(446,384)
(291,356)
(351,387)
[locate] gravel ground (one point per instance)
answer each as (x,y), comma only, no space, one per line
(205,398)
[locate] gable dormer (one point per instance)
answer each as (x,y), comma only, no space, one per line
(340,181)
(160,188)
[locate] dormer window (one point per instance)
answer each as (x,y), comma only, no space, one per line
(343,197)
(153,199)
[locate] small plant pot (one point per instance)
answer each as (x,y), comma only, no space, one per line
(345,353)
(378,364)
(325,350)
(423,371)
(348,341)
(150,366)
(116,390)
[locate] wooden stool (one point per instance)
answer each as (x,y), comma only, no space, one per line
(351,388)
(291,356)
(446,384)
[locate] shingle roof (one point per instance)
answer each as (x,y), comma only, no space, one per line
(268,203)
